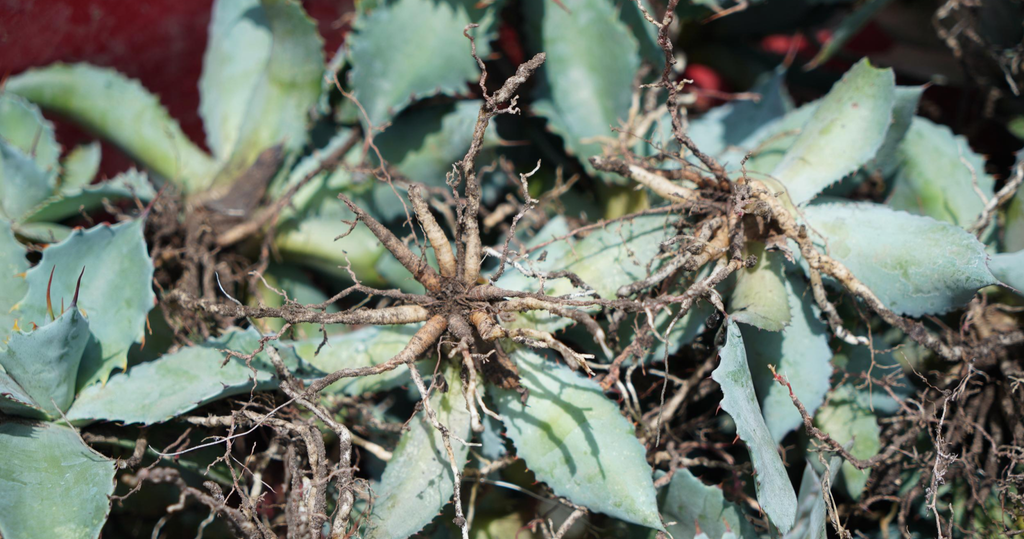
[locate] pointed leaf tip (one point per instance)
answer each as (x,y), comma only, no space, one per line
(78,286)
(49,303)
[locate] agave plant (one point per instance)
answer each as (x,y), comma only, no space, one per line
(749,232)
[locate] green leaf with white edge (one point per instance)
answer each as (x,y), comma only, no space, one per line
(760,297)
(13,286)
(933,178)
(914,264)
(73,200)
(592,58)
(51,484)
(23,184)
(280,99)
(15,401)
(81,166)
(800,353)
(576,440)
(115,296)
(691,504)
(159,390)
(411,49)
(810,522)
(122,111)
(625,246)
(418,480)
(23,126)
(1009,269)
(363,347)
(774,491)
(45,362)
(846,130)
(846,419)
(423,143)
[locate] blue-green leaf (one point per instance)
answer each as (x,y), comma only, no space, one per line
(72,200)
(800,353)
(846,419)
(760,297)
(933,179)
(15,401)
(914,264)
(692,505)
(576,440)
(23,184)
(51,484)
(410,49)
(847,129)
(274,49)
(23,126)
(592,57)
(1013,231)
(360,348)
(122,111)
(162,389)
(418,480)
(116,293)
(774,491)
(423,143)
(736,123)
(1009,269)
(45,362)
(810,522)
(13,266)
(81,166)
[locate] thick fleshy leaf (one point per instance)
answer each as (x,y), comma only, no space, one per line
(122,111)
(423,143)
(45,362)
(914,264)
(888,157)
(15,401)
(576,440)
(13,286)
(645,32)
(810,522)
(770,143)
(846,419)
(1009,269)
(23,184)
(81,166)
(418,480)
(261,78)
(625,247)
(760,297)
(43,232)
(774,491)
(72,200)
(314,242)
(592,57)
(693,506)
(846,130)
(410,49)
(360,348)
(933,179)
(159,390)
(800,353)
(116,293)
(47,471)
(736,123)
(325,185)
(23,126)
